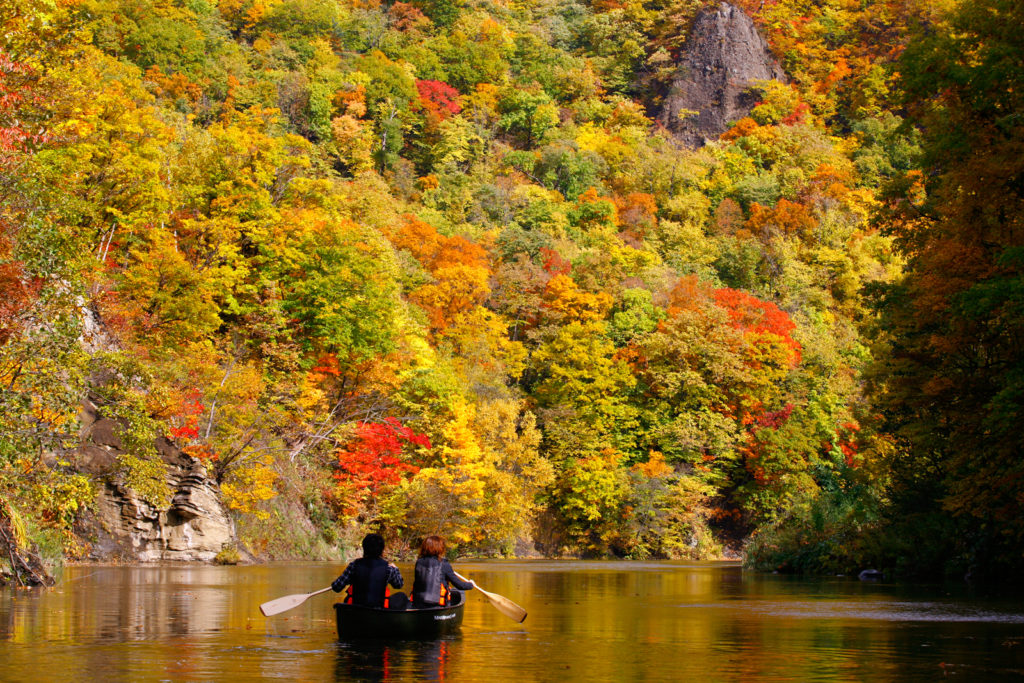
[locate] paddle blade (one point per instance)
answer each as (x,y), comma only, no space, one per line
(507,607)
(284,604)
(500,602)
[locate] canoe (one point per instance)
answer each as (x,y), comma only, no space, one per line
(356,621)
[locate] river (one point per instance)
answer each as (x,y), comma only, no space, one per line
(588,621)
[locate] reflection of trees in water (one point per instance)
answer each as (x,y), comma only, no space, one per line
(381,660)
(7,623)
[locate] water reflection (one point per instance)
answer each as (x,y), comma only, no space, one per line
(594,621)
(377,660)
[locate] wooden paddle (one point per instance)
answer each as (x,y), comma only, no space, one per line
(284,604)
(500,602)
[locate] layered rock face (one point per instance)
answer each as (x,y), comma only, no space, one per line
(724,56)
(123,527)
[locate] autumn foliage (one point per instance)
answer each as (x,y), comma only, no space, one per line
(433,267)
(759,321)
(373,460)
(439,98)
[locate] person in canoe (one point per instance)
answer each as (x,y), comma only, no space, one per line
(435,577)
(369,578)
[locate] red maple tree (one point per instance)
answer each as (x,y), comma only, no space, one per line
(439,97)
(373,460)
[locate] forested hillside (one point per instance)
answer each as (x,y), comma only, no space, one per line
(438,267)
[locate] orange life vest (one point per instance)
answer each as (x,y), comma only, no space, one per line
(387,596)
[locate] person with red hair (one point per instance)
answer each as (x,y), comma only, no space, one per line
(435,577)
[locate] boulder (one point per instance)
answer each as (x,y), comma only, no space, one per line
(724,56)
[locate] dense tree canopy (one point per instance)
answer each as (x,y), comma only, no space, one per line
(431,266)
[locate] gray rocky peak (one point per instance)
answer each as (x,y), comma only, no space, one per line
(724,56)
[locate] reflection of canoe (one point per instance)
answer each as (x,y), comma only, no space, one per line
(355,621)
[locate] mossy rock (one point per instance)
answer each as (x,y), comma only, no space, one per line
(228,555)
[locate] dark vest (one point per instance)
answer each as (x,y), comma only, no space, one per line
(369,582)
(430,588)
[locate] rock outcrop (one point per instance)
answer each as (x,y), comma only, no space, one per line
(724,56)
(121,526)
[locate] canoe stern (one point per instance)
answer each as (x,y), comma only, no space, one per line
(355,621)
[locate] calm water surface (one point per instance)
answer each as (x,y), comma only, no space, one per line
(588,621)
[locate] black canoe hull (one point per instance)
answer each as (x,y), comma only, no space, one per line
(412,624)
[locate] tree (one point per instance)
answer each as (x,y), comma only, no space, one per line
(527,115)
(347,300)
(952,385)
(162,296)
(43,368)
(375,461)
(482,490)
(16,96)
(563,301)
(588,498)
(459,268)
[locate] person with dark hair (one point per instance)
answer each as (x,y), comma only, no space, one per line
(370,576)
(435,576)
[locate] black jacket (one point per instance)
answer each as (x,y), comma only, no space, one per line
(369,580)
(431,573)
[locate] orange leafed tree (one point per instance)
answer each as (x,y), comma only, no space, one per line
(786,218)
(460,269)
(563,300)
(759,320)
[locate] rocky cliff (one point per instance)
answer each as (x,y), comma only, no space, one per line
(723,57)
(123,527)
